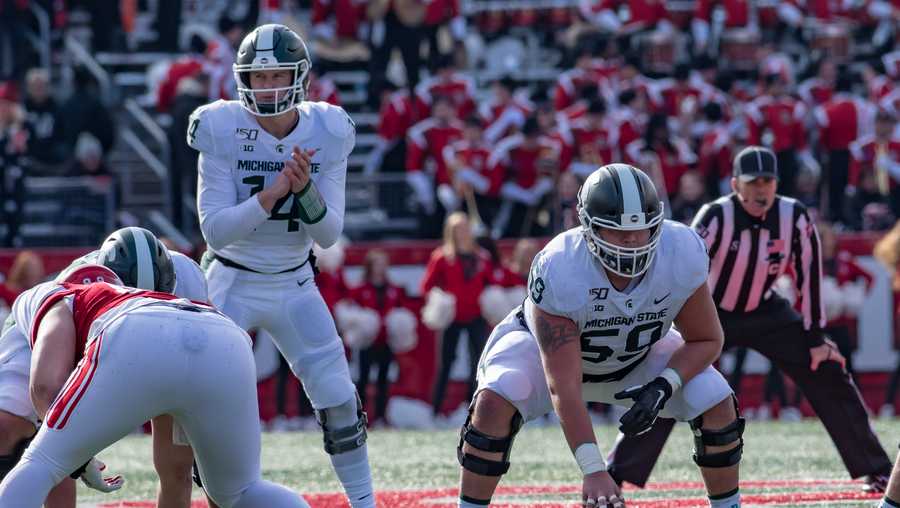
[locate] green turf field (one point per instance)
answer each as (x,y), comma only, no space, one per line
(785,464)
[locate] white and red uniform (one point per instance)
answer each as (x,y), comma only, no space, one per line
(459,88)
(15,354)
(472,160)
(323,89)
(141,354)
(595,145)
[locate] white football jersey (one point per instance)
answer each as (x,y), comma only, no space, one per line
(27,304)
(617,329)
(190,282)
(238,159)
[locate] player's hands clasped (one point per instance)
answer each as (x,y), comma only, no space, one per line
(93,477)
(599,490)
(300,165)
(649,400)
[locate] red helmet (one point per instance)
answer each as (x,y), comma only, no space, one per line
(89,274)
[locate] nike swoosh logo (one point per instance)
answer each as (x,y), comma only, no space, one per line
(301,283)
(658,301)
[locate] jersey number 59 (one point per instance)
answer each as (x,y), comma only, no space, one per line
(634,344)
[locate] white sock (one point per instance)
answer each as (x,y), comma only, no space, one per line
(730,500)
(353,470)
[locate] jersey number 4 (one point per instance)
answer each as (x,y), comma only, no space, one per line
(292,217)
(634,344)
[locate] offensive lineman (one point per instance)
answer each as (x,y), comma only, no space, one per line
(107,358)
(140,260)
(596,326)
(272,171)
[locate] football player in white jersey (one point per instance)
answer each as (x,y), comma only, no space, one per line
(107,358)
(141,261)
(272,171)
(597,326)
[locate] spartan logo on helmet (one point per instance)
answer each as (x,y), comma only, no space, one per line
(272,47)
(139,259)
(623,198)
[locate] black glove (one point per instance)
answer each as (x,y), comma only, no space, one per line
(649,400)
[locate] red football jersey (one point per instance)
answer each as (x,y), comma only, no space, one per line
(96,302)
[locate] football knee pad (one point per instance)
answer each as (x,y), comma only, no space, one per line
(481,441)
(8,462)
(338,438)
(731,433)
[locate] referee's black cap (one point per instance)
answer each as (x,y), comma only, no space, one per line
(755,161)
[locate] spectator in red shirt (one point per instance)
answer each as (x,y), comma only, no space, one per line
(630,117)
(595,144)
(503,113)
(340,30)
(462,269)
(818,89)
(396,116)
(467,159)
(529,162)
(376,292)
(716,150)
(664,155)
(571,83)
(447,82)
(877,155)
(775,120)
(841,120)
(737,15)
(425,167)
(321,88)
(643,15)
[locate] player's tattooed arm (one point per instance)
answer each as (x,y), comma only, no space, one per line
(554,332)
(560,344)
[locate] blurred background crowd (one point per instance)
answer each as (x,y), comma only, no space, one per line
(477,120)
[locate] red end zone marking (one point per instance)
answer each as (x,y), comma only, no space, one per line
(843,490)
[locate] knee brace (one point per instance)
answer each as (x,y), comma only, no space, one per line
(8,462)
(343,439)
(483,442)
(729,434)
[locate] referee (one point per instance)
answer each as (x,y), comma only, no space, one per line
(754,236)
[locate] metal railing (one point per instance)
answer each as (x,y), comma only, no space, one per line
(153,129)
(145,154)
(43,41)
(83,57)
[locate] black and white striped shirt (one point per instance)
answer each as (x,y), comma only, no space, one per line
(747,254)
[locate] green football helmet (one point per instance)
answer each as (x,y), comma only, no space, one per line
(272,47)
